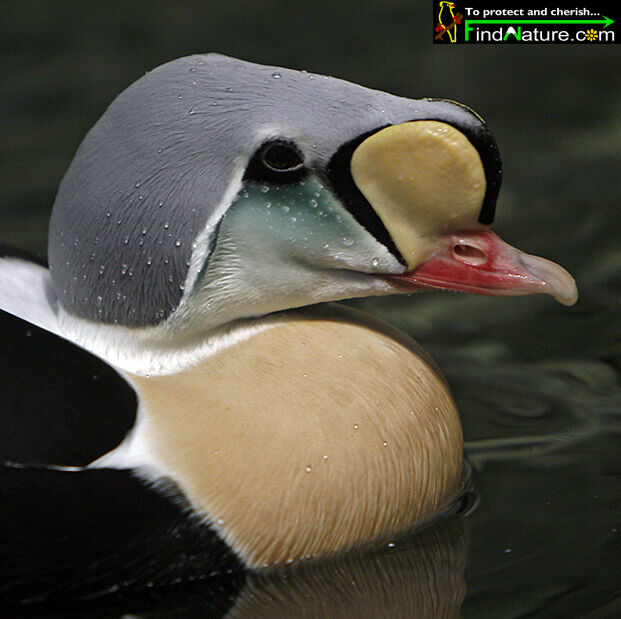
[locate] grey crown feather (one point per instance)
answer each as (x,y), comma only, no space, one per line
(153,170)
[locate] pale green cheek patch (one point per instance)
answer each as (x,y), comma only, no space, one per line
(423,178)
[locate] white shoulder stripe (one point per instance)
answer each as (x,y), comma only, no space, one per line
(26,291)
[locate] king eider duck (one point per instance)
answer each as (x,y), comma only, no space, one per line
(205,226)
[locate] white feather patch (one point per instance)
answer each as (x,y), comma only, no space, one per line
(26,291)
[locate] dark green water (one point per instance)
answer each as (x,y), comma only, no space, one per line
(537,383)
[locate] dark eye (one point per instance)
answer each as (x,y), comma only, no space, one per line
(281,157)
(278,162)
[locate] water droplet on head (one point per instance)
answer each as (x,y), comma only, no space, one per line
(375,262)
(137,184)
(276,75)
(144,231)
(102,268)
(308,468)
(356,426)
(178,243)
(264,188)
(166,225)
(192,69)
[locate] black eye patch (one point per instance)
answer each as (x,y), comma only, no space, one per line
(278,162)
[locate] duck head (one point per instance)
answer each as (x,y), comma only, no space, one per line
(213,189)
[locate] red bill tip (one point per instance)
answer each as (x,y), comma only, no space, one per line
(481,262)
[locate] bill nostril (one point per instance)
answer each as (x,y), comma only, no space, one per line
(469,254)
